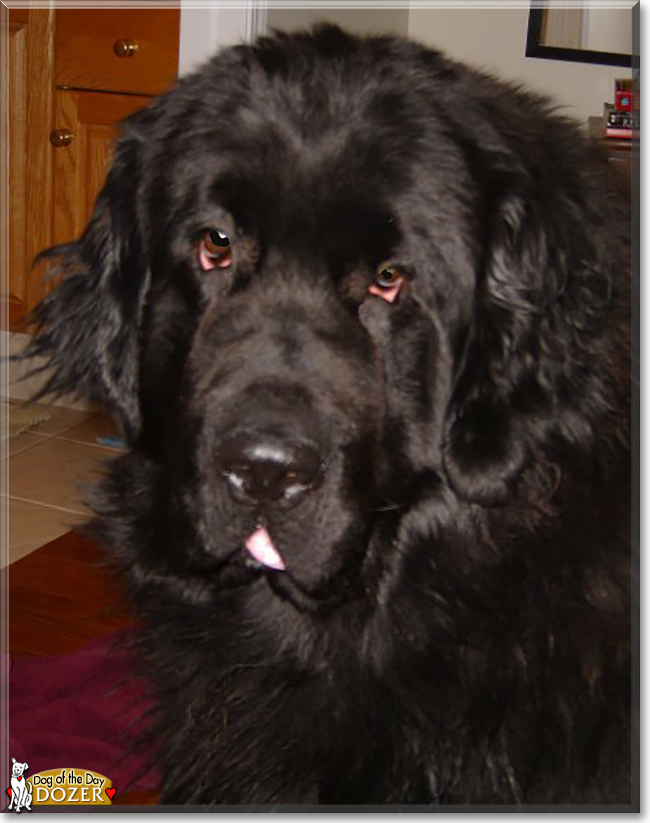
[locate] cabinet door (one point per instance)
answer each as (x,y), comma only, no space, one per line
(28,44)
(85,125)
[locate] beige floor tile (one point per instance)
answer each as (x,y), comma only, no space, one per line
(60,419)
(51,473)
(22,383)
(22,442)
(32,526)
(87,432)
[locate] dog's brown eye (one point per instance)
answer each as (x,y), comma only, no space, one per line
(388,277)
(387,283)
(215,251)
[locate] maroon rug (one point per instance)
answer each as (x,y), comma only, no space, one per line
(82,710)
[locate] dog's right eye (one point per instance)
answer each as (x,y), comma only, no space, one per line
(215,251)
(388,282)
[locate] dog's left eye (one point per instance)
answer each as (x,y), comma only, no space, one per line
(215,251)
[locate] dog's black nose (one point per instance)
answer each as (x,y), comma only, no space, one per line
(269,470)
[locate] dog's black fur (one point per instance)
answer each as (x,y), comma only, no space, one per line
(453,622)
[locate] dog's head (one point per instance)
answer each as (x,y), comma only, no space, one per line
(17,769)
(327,276)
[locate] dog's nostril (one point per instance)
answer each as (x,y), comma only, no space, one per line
(269,471)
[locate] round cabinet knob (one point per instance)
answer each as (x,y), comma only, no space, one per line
(124,48)
(61,137)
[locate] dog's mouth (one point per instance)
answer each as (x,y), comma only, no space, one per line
(258,559)
(262,558)
(296,563)
(262,553)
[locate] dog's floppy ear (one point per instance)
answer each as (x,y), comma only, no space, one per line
(542,286)
(86,328)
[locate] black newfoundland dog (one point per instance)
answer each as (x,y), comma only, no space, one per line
(364,317)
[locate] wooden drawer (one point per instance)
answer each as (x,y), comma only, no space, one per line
(86,49)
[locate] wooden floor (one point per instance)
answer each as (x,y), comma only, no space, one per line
(60,597)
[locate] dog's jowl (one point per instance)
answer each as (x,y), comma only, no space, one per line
(370,351)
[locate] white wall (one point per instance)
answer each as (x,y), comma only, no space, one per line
(205,30)
(361,21)
(491,38)
(495,39)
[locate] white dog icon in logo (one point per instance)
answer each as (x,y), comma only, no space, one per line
(21,790)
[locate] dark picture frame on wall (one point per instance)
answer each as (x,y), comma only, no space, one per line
(536,48)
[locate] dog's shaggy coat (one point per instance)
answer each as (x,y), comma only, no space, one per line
(375,512)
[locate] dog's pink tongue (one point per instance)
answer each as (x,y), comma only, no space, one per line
(260,545)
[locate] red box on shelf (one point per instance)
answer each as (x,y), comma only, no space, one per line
(624,100)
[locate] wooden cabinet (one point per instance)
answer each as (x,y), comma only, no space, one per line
(89,119)
(73,74)
(131,50)
(620,153)
(28,45)
(100,52)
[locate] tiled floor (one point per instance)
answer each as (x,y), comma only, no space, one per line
(47,467)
